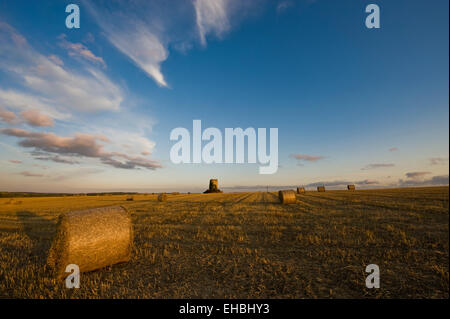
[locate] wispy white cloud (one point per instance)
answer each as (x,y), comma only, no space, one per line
(49,85)
(129,29)
(145,30)
(211,17)
(144,48)
(136,143)
(20,100)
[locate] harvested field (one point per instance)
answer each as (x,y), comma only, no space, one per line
(244,245)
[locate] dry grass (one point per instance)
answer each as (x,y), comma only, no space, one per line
(245,245)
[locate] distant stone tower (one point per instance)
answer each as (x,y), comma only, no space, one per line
(213,186)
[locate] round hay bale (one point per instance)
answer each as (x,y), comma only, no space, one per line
(300,190)
(92,239)
(287,197)
(321,188)
(162,197)
(351,187)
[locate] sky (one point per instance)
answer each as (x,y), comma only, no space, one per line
(91,108)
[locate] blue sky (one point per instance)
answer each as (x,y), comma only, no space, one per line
(92,108)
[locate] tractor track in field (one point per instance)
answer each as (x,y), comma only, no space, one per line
(244,198)
(345,203)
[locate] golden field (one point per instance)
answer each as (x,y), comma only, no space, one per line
(244,245)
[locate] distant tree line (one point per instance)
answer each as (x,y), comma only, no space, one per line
(30,194)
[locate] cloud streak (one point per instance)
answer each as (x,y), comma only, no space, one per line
(438,161)
(79,50)
(415,175)
(30,174)
(79,146)
(439,180)
(77,173)
(211,17)
(377,165)
(143,47)
(307,158)
(43,156)
(131,29)
(342,183)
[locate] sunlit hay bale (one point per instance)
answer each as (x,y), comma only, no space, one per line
(162,197)
(287,197)
(300,190)
(351,187)
(321,188)
(92,239)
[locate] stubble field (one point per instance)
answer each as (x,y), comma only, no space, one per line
(244,245)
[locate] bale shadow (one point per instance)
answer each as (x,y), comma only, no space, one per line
(40,231)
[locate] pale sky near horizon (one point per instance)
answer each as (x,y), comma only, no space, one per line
(91,109)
